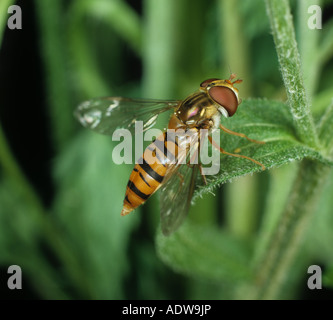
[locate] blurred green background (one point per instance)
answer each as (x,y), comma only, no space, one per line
(60,192)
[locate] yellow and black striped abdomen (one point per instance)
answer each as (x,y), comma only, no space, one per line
(149,172)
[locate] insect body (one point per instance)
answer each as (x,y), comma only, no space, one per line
(147,176)
(165,162)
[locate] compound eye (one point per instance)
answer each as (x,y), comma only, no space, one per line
(225,97)
(205,83)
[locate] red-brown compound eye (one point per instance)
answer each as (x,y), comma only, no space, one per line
(225,97)
(205,83)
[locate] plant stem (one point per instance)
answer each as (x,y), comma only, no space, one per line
(236,53)
(7,160)
(12,169)
(326,129)
(159,58)
(309,46)
(90,82)
(290,64)
(326,45)
(56,65)
(285,241)
(240,194)
(273,268)
(121,17)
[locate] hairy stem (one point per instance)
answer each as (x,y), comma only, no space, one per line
(272,269)
(289,59)
(285,241)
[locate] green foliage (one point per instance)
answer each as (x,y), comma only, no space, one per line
(290,64)
(325,129)
(267,121)
(193,248)
(80,247)
(79,173)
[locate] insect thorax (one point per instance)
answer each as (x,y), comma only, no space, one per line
(199,111)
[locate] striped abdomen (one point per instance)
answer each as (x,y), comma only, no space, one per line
(149,172)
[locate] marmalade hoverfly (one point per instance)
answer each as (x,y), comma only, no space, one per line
(201,110)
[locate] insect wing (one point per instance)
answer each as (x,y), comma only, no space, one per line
(104,115)
(177,190)
(176,195)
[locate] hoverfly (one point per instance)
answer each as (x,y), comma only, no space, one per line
(201,110)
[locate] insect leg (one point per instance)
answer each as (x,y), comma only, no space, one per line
(200,167)
(202,175)
(233,154)
(240,135)
(202,137)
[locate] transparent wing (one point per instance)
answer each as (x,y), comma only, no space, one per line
(104,115)
(176,195)
(176,192)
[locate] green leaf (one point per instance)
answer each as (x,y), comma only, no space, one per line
(290,64)
(18,226)
(205,252)
(88,205)
(21,242)
(189,250)
(264,120)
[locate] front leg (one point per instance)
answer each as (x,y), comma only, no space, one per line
(240,135)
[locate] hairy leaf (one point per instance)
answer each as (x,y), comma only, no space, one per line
(264,120)
(205,252)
